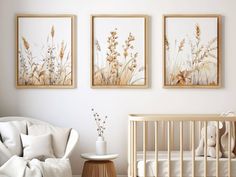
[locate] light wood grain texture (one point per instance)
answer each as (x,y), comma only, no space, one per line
(193,148)
(181,147)
(169,148)
(131,149)
(217,149)
(135,149)
(229,150)
(144,147)
(205,149)
(172,134)
(180,117)
(199,130)
(99,169)
(164,134)
(156,149)
(191,136)
(196,121)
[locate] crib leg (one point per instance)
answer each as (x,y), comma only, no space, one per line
(205,149)
(144,147)
(229,150)
(169,149)
(156,148)
(193,148)
(181,147)
(217,149)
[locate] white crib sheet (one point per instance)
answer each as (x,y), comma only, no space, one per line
(187,165)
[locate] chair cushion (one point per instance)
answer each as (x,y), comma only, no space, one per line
(39,147)
(59,136)
(10,134)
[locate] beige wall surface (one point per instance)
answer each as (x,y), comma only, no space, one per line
(72,108)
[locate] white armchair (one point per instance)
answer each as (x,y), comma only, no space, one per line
(72,140)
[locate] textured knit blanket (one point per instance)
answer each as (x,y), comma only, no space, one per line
(19,167)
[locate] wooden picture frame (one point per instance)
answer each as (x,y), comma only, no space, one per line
(191,51)
(45,52)
(113,35)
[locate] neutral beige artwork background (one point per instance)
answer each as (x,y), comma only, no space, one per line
(191,51)
(119,56)
(44,51)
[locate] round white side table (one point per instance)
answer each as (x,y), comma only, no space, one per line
(99,165)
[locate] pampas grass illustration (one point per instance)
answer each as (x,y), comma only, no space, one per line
(121,66)
(53,69)
(199,68)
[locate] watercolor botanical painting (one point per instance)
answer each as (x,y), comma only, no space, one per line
(191,51)
(45,56)
(119,51)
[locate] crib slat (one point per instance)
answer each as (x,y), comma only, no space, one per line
(164,134)
(205,148)
(172,134)
(199,130)
(229,150)
(131,148)
(190,135)
(135,149)
(156,148)
(169,149)
(193,148)
(144,147)
(181,147)
(217,149)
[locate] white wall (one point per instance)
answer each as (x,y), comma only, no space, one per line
(71,108)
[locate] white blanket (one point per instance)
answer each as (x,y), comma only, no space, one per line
(19,167)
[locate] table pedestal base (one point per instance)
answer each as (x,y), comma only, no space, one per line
(99,169)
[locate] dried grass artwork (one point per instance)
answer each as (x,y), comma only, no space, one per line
(45,51)
(191,51)
(119,51)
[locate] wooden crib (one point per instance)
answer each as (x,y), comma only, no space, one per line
(164,126)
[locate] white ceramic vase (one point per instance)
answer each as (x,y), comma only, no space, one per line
(101,146)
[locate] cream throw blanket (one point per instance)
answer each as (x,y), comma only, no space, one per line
(19,167)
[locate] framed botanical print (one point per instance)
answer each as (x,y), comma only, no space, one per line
(192,51)
(119,51)
(45,51)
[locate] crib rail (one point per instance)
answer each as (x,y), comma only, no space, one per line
(196,122)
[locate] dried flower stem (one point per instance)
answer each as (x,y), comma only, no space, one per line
(118,70)
(100,122)
(54,68)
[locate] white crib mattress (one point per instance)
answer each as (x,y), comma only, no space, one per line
(187,165)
